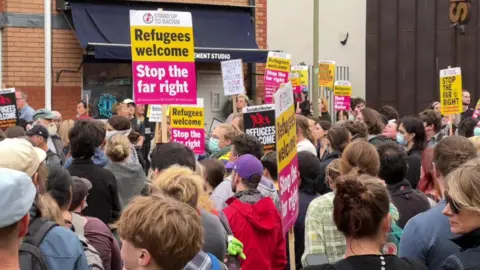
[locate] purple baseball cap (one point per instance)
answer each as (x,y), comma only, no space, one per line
(248,165)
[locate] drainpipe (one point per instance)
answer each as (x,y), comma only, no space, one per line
(48,53)
(1,57)
(252,67)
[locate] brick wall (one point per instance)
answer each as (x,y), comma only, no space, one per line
(23,55)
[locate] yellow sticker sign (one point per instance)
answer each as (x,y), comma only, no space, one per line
(451,91)
(186,117)
(326,74)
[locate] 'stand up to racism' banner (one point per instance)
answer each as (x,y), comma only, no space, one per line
(8,108)
(451,91)
(342,92)
(259,121)
(326,73)
(163,57)
(288,176)
(276,73)
(187,127)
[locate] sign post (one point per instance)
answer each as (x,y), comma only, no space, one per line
(259,121)
(288,175)
(276,73)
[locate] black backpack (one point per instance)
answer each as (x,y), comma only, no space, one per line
(31,258)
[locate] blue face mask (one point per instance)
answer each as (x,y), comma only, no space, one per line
(401,139)
(476,131)
(213,145)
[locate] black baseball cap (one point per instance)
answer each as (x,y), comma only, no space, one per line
(38,130)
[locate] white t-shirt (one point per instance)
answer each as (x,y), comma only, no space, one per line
(306,145)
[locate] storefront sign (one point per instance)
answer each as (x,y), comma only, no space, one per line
(342,91)
(8,108)
(187,127)
(276,73)
(213,56)
(105,104)
(451,91)
(259,121)
(163,58)
(326,75)
(288,176)
(459,11)
(232,74)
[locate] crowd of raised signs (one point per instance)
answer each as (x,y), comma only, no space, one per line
(377,191)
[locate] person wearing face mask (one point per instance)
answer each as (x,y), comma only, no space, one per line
(219,144)
(411,135)
(45,118)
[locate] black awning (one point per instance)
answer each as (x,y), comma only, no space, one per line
(219,34)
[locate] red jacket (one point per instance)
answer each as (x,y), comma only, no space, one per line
(259,227)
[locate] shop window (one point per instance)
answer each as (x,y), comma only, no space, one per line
(105,84)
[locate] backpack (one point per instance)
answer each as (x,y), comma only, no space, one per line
(93,257)
(30,256)
(215,262)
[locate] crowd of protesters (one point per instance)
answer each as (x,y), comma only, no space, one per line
(377,191)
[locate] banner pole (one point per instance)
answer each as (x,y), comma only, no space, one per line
(291,248)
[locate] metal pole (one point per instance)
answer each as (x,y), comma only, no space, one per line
(315,57)
(48,53)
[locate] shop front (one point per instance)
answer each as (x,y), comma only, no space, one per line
(220,33)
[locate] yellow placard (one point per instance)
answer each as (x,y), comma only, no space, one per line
(303,77)
(186,117)
(286,137)
(451,91)
(162,43)
(342,90)
(278,64)
(326,74)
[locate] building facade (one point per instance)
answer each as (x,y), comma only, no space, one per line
(78,69)
(290,29)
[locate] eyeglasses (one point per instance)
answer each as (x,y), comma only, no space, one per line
(453,205)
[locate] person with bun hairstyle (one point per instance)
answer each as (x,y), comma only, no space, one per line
(361,211)
(130,177)
(359,158)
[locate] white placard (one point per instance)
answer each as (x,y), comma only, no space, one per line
(232,73)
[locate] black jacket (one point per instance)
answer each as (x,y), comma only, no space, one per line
(468,257)
(408,201)
(414,161)
(369,262)
(304,201)
(322,187)
(102,199)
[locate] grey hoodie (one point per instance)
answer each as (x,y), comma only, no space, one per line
(130,180)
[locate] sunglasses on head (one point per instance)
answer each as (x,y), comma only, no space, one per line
(453,205)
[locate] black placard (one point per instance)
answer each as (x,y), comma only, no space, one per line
(259,121)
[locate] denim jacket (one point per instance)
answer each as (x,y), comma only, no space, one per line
(62,249)
(469,256)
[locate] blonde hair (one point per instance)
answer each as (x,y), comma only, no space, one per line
(476,141)
(324,104)
(463,185)
(64,129)
(177,227)
(50,209)
(332,172)
(200,170)
(245,97)
(118,148)
(230,131)
(184,185)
